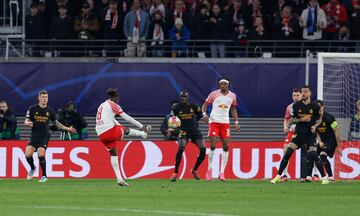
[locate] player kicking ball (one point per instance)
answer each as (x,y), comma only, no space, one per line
(110,131)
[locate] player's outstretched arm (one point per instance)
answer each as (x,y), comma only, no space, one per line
(62,127)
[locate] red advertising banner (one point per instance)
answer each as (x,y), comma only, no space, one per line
(155,159)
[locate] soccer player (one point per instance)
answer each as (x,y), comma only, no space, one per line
(329,139)
(189,114)
(289,129)
(110,131)
(222,100)
(307,117)
(38,117)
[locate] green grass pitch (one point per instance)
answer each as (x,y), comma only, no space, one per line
(67,197)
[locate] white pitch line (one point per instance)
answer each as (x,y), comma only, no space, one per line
(114,210)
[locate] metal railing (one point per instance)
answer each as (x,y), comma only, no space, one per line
(194,48)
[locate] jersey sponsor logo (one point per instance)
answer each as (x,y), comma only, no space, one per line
(223,106)
(154,158)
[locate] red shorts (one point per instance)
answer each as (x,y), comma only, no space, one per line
(109,137)
(288,137)
(219,129)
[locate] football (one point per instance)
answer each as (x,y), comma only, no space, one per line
(174,122)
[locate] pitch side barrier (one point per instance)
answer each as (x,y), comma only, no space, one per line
(155,159)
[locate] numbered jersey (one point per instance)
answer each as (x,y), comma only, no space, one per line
(221,105)
(105,116)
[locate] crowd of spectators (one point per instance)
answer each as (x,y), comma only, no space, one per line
(181,20)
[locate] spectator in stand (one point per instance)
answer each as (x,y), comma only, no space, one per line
(146,5)
(354,10)
(238,12)
(256,10)
(136,26)
(86,24)
(201,30)
(69,117)
(240,38)
(158,6)
(111,29)
(218,31)
(355,123)
(35,28)
(343,35)
(62,28)
(157,32)
(169,133)
(8,124)
(313,20)
(258,30)
(336,16)
(42,11)
(279,6)
(179,34)
(181,12)
(286,27)
(298,6)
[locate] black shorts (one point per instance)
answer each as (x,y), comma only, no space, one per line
(193,135)
(304,139)
(39,142)
(329,147)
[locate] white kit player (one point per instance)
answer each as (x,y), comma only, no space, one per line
(110,131)
(289,129)
(222,101)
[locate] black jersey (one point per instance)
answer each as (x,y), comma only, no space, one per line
(299,110)
(326,127)
(41,118)
(189,114)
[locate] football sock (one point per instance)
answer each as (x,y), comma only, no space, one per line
(200,158)
(115,166)
(134,132)
(43,165)
(210,158)
(285,160)
(224,159)
(178,158)
(319,165)
(327,165)
(30,161)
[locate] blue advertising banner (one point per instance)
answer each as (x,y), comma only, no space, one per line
(146,89)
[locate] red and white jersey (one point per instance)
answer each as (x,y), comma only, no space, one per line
(288,115)
(221,105)
(105,116)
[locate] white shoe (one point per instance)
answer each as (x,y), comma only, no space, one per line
(148,129)
(43,179)
(30,174)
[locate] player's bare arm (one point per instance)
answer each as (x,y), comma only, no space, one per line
(337,136)
(235,117)
(28,122)
(62,127)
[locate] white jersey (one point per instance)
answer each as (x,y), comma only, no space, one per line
(221,105)
(105,116)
